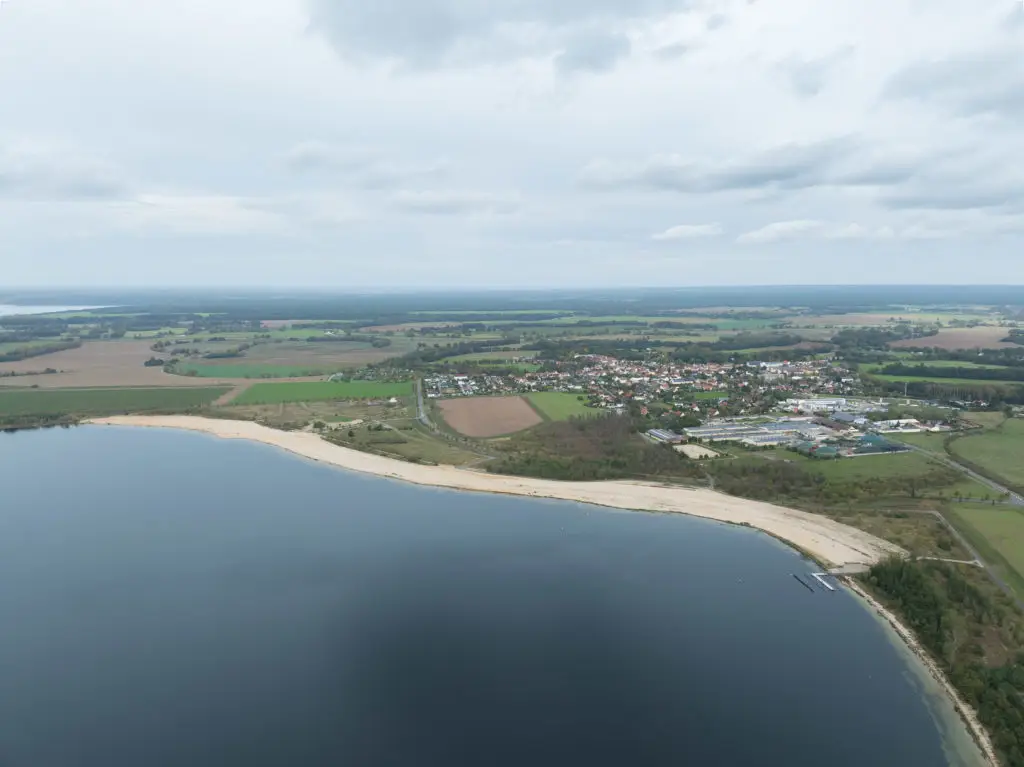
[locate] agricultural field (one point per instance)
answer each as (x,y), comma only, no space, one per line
(911,360)
(997,532)
(495,355)
(484,417)
(211,370)
(982,337)
(556,406)
(12,346)
(998,452)
(25,402)
(96,364)
(961,382)
(314,391)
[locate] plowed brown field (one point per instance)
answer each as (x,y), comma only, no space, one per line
(488,416)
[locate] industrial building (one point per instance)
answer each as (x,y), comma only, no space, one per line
(781,432)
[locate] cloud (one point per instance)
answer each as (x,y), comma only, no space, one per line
(48,173)
(453,203)
(808,77)
(593,51)
(688,232)
(716,21)
(962,225)
(984,82)
(194,214)
(779,232)
(429,34)
(788,166)
(310,156)
(857,232)
(359,166)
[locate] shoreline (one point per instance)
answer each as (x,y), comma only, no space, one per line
(967,714)
(824,539)
(809,534)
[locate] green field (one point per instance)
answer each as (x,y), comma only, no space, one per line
(709,394)
(997,532)
(950,381)
(318,391)
(103,401)
(934,364)
(998,452)
(249,371)
(495,355)
(556,406)
(12,346)
(931,441)
(888,466)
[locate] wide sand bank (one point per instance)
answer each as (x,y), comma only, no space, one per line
(819,536)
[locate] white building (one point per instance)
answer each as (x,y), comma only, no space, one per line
(816,405)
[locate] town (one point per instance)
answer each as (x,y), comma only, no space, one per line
(815,406)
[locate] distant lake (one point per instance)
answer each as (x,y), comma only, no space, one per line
(169,599)
(7,310)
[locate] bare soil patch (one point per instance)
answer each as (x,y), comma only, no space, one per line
(697,452)
(960,338)
(489,416)
(94,364)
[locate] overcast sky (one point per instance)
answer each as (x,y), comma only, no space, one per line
(508,143)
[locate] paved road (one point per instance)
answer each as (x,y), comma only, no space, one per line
(421,411)
(1014,498)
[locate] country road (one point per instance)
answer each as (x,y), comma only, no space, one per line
(421,410)
(1014,498)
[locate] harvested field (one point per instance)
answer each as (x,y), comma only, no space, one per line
(96,363)
(960,338)
(488,416)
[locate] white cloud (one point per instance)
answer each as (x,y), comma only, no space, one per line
(453,203)
(480,132)
(30,170)
(779,232)
(688,232)
(194,215)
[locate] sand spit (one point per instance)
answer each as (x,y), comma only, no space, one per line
(826,540)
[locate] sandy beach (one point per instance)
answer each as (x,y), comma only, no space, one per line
(826,540)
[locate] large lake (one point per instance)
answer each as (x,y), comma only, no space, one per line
(171,599)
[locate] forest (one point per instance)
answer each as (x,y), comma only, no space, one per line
(967,632)
(971,373)
(604,447)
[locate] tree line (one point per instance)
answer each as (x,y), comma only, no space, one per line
(934,599)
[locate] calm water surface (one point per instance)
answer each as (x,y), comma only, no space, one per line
(10,309)
(171,599)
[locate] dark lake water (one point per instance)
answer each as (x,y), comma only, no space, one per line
(172,599)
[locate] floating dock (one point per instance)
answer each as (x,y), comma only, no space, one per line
(822,581)
(804,583)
